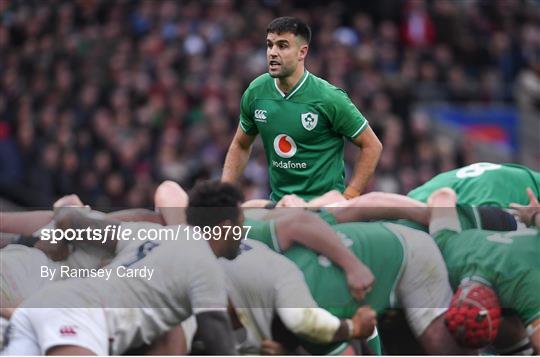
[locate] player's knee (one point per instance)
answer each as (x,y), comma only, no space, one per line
(170,194)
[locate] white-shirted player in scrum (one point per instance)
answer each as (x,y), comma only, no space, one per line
(188,280)
(310,328)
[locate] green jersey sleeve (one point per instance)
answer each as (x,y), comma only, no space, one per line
(264,232)
(247,123)
(346,119)
(527,297)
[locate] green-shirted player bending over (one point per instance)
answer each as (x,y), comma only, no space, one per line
(484,184)
(302,120)
(408,268)
(508,262)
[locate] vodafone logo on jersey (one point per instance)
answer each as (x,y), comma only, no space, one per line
(284,146)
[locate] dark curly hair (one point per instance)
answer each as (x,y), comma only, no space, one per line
(212,202)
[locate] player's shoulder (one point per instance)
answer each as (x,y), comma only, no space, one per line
(325,88)
(260,83)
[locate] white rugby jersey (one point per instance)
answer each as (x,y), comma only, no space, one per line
(187,279)
(259,282)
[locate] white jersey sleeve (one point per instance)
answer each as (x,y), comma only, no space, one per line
(259,282)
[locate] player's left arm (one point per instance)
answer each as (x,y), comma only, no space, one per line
(528,214)
(299,313)
(366,162)
(443,211)
(380,205)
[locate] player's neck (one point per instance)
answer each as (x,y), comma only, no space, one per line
(285,84)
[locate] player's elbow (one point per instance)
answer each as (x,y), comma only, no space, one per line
(289,228)
(376,147)
(170,194)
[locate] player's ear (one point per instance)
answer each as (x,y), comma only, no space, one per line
(303,51)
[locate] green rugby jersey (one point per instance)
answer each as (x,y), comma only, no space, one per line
(375,245)
(508,261)
(302,133)
(484,184)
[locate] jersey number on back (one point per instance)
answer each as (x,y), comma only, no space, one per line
(142,252)
(476,170)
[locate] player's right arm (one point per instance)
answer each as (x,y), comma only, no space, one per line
(237,156)
(529,214)
(240,148)
(299,312)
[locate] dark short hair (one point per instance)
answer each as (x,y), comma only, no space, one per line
(496,219)
(292,25)
(212,202)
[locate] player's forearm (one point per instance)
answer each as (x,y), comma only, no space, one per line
(364,168)
(235,162)
(314,324)
(78,221)
(24,222)
(309,230)
(382,205)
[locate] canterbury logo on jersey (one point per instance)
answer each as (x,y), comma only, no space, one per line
(284,146)
(260,115)
(68,331)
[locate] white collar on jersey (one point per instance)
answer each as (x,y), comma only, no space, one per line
(287,96)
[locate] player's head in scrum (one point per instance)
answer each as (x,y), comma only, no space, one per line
(287,42)
(216,205)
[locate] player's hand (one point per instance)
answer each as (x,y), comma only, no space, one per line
(360,280)
(69,200)
(291,201)
(272,348)
(364,321)
(55,252)
(351,192)
(526,213)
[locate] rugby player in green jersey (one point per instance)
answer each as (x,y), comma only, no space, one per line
(508,263)
(302,121)
(484,184)
(408,268)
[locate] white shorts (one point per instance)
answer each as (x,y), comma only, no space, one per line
(423,290)
(35,331)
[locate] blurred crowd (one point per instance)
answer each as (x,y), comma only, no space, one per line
(108,98)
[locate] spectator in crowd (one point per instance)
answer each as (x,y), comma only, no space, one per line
(109,98)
